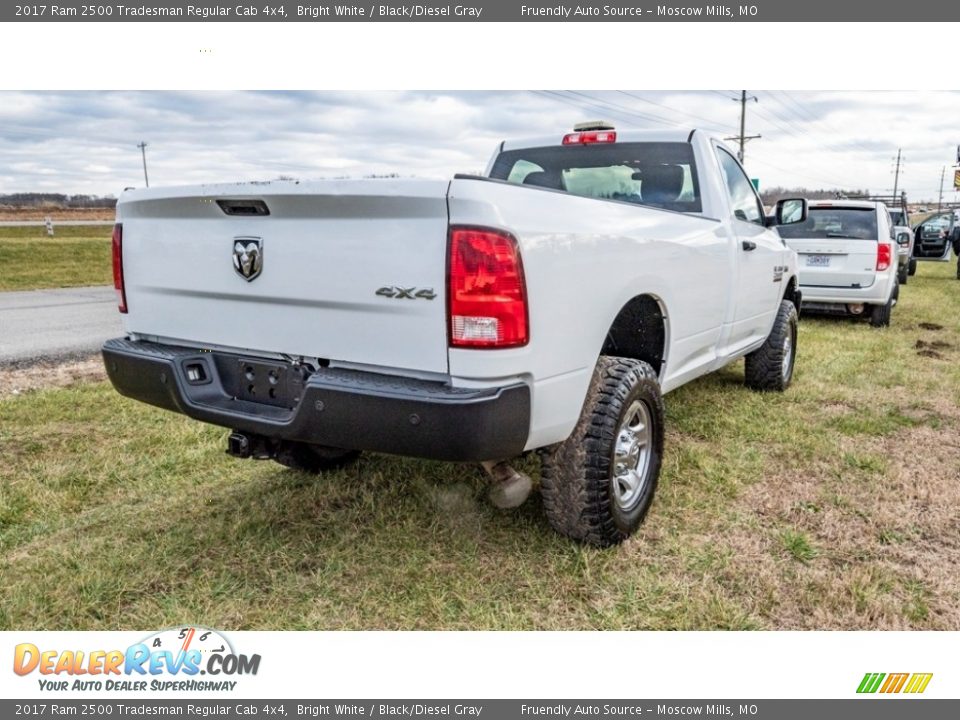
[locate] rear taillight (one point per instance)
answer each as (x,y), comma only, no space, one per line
(118,267)
(884,254)
(486,291)
(588,137)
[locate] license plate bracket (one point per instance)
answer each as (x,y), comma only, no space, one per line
(270,383)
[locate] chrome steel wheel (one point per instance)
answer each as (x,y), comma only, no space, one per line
(786,365)
(631,459)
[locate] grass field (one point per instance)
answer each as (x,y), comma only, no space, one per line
(77,255)
(835,505)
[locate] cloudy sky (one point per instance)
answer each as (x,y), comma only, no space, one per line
(85,142)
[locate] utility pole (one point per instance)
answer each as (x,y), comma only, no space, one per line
(143,152)
(896,175)
(940,200)
(743,137)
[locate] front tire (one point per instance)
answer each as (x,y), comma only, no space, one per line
(770,367)
(912,267)
(598,484)
(902,273)
(313,458)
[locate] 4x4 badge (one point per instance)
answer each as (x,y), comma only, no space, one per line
(248,257)
(400,293)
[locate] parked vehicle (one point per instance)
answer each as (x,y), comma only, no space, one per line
(902,232)
(847,259)
(545,306)
(935,236)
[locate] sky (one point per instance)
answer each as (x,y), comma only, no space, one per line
(86,142)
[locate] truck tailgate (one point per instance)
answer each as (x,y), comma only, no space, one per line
(326,250)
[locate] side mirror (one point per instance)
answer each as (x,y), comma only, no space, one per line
(903,239)
(790,211)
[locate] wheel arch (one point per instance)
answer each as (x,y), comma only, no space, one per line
(792,293)
(640,331)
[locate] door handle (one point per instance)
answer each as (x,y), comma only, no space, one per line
(749,245)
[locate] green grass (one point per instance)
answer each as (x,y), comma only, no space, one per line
(77,255)
(797,544)
(830,506)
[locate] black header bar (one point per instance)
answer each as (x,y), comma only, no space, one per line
(858,11)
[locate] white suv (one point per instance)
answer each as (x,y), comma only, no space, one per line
(847,259)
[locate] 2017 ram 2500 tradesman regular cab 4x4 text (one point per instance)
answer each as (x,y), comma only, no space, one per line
(546,305)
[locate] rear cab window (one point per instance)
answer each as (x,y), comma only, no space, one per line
(835,223)
(898,217)
(656,174)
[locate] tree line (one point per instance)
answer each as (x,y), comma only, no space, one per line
(771,195)
(56,200)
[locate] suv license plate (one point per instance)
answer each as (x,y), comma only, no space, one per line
(818,260)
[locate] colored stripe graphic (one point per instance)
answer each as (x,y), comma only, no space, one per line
(870,682)
(918,683)
(894,683)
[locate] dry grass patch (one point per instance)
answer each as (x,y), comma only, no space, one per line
(19,380)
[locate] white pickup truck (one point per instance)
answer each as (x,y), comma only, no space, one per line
(543,306)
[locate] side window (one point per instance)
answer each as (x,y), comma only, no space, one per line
(743,199)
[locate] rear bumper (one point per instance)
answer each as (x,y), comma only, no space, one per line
(877,294)
(339,408)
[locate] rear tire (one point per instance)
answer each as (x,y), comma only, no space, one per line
(313,458)
(912,267)
(598,484)
(880,314)
(770,367)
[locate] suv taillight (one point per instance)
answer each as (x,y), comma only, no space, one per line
(118,267)
(486,291)
(884,254)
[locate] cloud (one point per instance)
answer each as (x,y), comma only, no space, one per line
(85,142)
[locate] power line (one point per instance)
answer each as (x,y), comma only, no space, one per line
(783,123)
(786,130)
(631,118)
(794,171)
(799,109)
(652,118)
(713,125)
